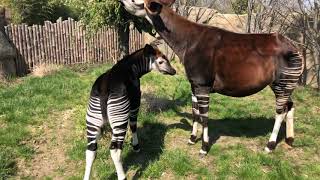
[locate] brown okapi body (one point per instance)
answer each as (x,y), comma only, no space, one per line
(228,63)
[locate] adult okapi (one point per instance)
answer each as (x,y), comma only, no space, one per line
(228,63)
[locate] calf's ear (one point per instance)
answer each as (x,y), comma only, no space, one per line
(148,50)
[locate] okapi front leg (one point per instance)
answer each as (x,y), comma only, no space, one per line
(133,127)
(195,116)
(203,104)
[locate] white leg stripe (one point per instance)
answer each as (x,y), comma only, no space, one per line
(90,156)
(195,128)
(205,134)
(276,128)
(289,124)
(194,99)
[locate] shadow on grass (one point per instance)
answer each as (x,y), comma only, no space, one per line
(151,139)
(152,134)
(250,127)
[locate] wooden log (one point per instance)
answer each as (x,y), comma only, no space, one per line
(31,47)
(50,47)
(68,42)
(41,45)
(72,38)
(27,45)
(58,41)
(83,44)
(18,31)
(64,52)
(104,45)
(80,59)
(46,42)
(77,41)
(13,37)
(70,22)
(36,45)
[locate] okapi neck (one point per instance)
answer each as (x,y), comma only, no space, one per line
(141,66)
(177,32)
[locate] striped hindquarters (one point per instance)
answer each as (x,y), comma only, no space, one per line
(118,115)
(94,120)
(288,80)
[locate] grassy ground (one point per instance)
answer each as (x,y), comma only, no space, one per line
(42,132)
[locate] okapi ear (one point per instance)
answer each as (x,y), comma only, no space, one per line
(148,50)
(154,8)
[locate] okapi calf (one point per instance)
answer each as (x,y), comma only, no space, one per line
(228,63)
(115,97)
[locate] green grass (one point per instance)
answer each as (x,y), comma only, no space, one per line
(239,128)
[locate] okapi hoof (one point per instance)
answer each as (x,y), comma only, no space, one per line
(289,141)
(270,146)
(203,153)
(192,140)
(136,148)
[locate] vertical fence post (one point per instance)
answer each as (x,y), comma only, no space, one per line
(66,42)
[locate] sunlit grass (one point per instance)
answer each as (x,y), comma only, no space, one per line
(240,128)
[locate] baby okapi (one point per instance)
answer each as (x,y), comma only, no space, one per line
(115,97)
(228,63)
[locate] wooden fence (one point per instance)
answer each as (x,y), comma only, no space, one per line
(65,42)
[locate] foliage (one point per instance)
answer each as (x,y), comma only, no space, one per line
(98,13)
(239,6)
(38,11)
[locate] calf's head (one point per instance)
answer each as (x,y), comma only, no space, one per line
(158,61)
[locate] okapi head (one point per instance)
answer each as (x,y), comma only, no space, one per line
(159,62)
(143,8)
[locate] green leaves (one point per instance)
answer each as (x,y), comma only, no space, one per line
(99,13)
(37,11)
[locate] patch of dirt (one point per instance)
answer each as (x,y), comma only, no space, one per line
(44,69)
(50,145)
(167,175)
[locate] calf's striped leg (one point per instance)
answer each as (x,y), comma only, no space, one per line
(94,123)
(133,127)
(195,116)
(118,116)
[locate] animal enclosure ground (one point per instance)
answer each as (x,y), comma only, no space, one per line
(42,132)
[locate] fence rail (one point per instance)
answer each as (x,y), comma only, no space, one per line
(65,42)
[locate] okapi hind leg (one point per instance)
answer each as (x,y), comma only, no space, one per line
(115,152)
(94,123)
(289,124)
(195,117)
(287,115)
